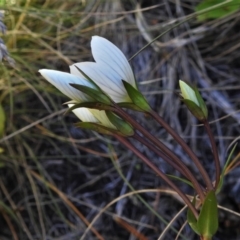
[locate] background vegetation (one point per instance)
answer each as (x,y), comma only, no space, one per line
(55,178)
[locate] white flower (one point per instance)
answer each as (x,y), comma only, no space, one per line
(92,115)
(110,68)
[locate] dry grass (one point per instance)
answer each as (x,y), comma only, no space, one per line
(54,178)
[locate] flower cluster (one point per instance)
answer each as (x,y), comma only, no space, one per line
(107,72)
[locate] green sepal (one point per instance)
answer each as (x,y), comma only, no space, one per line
(137,98)
(207,223)
(194,109)
(89,79)
(92,105)
(97,128)
(92,82)
(122,126)
(129,105)
(201,102)
(192,221)
(93,93)
(180,179)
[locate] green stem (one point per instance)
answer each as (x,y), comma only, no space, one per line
(185,147)
(179,167)
(215,152)
(125,142)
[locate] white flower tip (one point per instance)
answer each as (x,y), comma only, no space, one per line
(41,71)
(188,92)
(182,83)
(46,73)
(99,40)
(97,37)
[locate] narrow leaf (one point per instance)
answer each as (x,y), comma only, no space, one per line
(220,184)
(180,179)
(96,127)
(229,158)
(192,221)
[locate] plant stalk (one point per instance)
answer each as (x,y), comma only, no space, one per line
(215,152)
(125,142)
(150,137)
(179,167)
(185,147)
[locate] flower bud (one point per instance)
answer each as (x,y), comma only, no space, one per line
(193,101)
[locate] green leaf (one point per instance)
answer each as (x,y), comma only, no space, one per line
(207,223)
(194,109)
(192,221)
(222,11)
(122,126)
(180,179)
(229,158)
(137,98)
(93,93)
(96,127)
(2,120)
(219,187)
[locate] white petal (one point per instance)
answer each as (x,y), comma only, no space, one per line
(107,53)
(102,118)
(83,114)
(92,115)
(188,92)
(105,77)
(61,80)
